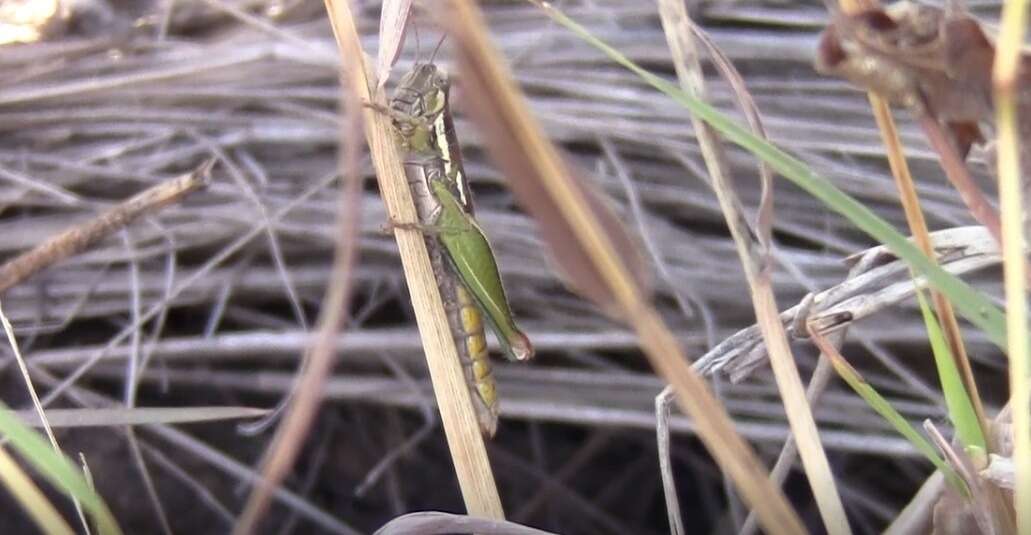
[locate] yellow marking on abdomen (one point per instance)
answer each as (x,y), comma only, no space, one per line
(475,342)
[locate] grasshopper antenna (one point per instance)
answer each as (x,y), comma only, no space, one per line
(415,28)
(437,48)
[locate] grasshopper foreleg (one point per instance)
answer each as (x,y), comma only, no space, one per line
(399,117)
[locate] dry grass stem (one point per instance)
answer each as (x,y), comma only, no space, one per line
(81,236)
(318,361)
(1009,71)
(754,257)
(663,402)
(957,173)
(882,285)
(457,415)
(918,229)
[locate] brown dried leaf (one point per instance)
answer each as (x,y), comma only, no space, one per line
(921,57)
(937,63)
(934,61)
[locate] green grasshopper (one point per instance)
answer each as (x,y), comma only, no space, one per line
(463,313)
(464,262)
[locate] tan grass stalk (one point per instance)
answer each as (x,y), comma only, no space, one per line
(318,360)
(1005,73)
(918,229)
(757,269)
(21,486)
(508,107)
(456,410)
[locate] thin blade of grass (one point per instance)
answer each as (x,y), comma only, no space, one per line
(104,417)
(57,469)
(20,485)
(38,408)
(663,401)
(88,475)
(883,407)
(86,471)
(519,146)
(970,303)
(961,410)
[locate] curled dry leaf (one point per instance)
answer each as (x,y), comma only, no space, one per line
(934,62)
(393,22)
(937,63)
(931,60)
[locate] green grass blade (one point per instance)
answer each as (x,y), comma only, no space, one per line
(35,503)
(884,408)
(56,468)
(970,303)
(961,410)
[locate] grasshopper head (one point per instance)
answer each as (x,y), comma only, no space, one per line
(427,88)
(420,98)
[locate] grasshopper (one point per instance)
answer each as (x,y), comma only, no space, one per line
(462,258)
(463,313)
